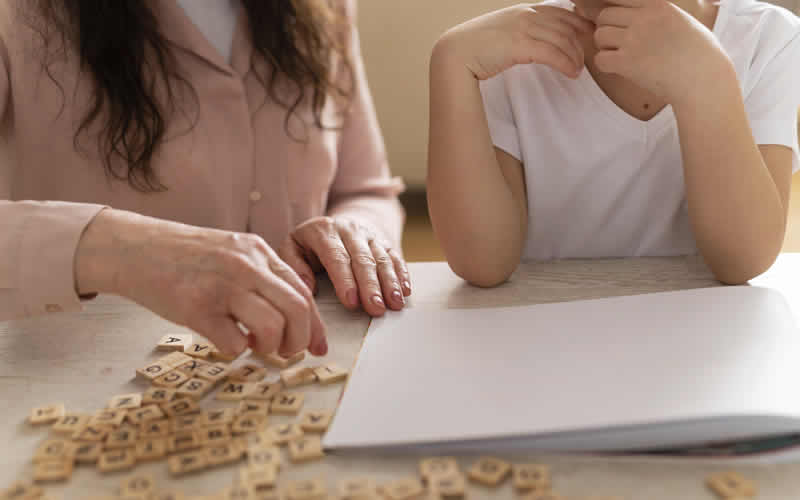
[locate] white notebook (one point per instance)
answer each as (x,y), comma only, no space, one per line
(619,374)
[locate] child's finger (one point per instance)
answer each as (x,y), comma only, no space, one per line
(609,37)
(610,61)
(627,3)
(560,41)
(578,22)
(621,17)
(550,55)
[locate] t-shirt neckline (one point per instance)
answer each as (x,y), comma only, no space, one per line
(665,115)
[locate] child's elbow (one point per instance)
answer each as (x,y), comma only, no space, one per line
(742,273)
(481,274)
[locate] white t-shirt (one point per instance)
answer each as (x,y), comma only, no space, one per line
(216,19)
(602,183)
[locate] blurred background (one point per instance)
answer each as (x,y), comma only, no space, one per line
(397,64)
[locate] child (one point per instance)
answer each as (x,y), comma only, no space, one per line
(615,129)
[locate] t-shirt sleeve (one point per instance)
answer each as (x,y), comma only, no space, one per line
(502,126)
(772,104)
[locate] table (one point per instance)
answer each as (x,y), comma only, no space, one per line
(83,359)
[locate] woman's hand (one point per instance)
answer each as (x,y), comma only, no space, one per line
(660,47)
(206,279)
(523,34)
(364,269)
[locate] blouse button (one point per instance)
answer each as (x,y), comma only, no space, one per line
(255,196)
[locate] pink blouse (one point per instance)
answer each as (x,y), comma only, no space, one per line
(236,169)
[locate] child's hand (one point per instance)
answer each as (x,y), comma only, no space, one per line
(523,34)
(659,47)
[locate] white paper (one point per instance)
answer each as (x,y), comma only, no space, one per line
(624,373)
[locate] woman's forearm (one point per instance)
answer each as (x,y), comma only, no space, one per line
(476,217)
(735,207)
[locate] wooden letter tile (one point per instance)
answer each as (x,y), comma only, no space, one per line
(249,372)
(199,350)
(218,355)
(52,470)
(306,489)
(174,359)
(69,424)
(283,433)
(92,433)
(295,377)
(253,406)
(438,466)
(283,363)
(218,416)
(152,449)
(250,422)
(181,407)
(137,485)
(330,374)
(112,418)
(357,489)
(171,379)
(404,489)
(193,367)
(116,460)
(186,422)
(266,391)
(122,438)
(125,402)
(305,449)
(183,441)
(215,434)
(287,403)
(88,453)
(489,471)
(186,463)
(158,395)
(531,477)
(154,370)
(266,476)
(175,342)
(54,450)
(316,421)
(548,495)
(145,414)
(214,373)
(21,490)
(235,391)
(268,455)
(47,414)
(154,429)
(447,487)
(195,388)
(731,485)
(222,453)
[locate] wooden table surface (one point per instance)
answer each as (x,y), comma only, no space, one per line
(84,359)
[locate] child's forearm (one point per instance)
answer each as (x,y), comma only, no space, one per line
(736,209)
(479,222)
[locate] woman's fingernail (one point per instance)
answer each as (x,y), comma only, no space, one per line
(378,301)
(407,286)
(352,297)
(322,347)
(398,297)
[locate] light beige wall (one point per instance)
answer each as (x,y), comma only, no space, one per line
(396,38)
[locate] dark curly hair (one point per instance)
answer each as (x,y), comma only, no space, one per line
(119,43)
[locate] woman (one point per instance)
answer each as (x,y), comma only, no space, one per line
(252,118)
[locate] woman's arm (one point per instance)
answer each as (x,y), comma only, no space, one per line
(476,192)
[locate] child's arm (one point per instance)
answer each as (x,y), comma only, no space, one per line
(737,192)
(476,192)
